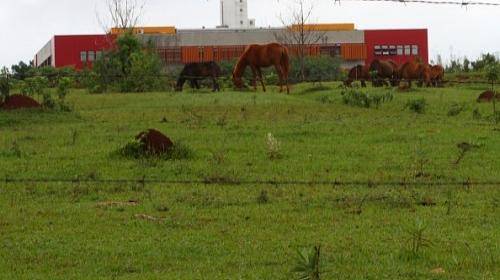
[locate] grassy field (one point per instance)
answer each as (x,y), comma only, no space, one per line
(406,203)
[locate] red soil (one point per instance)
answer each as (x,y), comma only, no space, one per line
(487,96)
(154,141)
(18,101)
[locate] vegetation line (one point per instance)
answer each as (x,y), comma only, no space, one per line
(256,182)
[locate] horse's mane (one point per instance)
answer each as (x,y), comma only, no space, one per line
(242,63)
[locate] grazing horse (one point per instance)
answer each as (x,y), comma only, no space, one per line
(384,69)
(258,56)
(415,71)
(193,72)
(437,75)
(357,73)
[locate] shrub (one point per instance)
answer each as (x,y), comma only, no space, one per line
(361,99)
(136,150)
(34,86)
(316,69)
(5,84)
(127,68)
(492,74)
(63,86)
(456,109)
(417,105)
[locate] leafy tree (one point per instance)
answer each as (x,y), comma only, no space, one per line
(466,64)
(128,68)
(4,84)
(492,74)
(486,59)
(21,71)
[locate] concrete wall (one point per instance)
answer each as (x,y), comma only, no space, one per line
(232,37)
(45,53)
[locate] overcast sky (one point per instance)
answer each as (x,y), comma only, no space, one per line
(28,24)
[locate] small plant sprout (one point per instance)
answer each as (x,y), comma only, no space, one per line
(273,147)
(308,264)
(263,197)
(417,239)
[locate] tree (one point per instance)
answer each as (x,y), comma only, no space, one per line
(298,34)
(128,68)
(4,84)
(466,64)
(21,70)
(123,14)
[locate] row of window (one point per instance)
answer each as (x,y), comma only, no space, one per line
(396,50)
(89,56)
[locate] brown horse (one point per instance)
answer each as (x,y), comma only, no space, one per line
(383,69)
(414,70)
(258,56)
(357,73)
(437,75)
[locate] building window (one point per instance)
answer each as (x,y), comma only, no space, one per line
(83,56)
(414,50)
(241,22)
(91,56)
(407,50)
(385,50)
(400,50)
(98,55)
(241,10)
(392,50)
(378,50)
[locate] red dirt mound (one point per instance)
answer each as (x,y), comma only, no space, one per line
(154,141)
(18,101)
(487,96)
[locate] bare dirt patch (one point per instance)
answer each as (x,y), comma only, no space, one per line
(155,142)
(18,101)
(488,96)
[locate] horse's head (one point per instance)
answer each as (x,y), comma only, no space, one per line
(237,81)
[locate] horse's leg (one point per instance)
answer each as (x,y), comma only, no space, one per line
(259,72)
(215,84)
(254,81)
(281,75)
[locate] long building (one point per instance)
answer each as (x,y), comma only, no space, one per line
(236,31)
(177,46)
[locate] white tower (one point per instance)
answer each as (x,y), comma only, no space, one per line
(234,14)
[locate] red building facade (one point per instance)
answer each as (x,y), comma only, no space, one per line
(77,51)
(353,47)
(400,45)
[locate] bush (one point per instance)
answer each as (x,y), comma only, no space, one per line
(128,68)
(417,105)
(456,109)
(5,84)
(361,99)
(136,150)
(34,86)
(316,69)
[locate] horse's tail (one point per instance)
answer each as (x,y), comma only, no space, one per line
(285,60)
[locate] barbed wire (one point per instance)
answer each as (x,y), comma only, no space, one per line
(80,77)
(463,3)
(220,182)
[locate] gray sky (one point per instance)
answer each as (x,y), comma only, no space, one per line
(28,24)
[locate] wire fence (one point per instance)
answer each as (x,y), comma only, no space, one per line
(145,181)
(463,3)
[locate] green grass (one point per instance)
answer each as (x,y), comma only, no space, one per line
(241,229)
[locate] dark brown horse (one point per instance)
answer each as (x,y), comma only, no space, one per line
(194,72)
(262,56)
(437,75)
(357,73)
(383,70)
